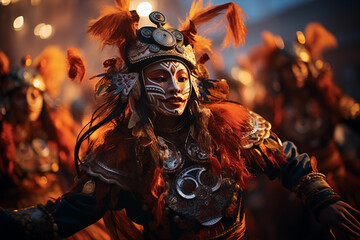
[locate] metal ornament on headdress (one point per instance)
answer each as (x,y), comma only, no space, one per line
(158,41)
(160,35)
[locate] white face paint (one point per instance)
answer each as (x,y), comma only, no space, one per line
(28,104)
(167,86)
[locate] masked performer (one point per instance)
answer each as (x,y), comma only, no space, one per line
(305,104)
(37,136)
(176,165)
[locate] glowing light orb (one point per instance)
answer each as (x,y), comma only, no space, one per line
(18,23)
(243,76)
(301,37)
(5,2)
(144,9)
(43,30)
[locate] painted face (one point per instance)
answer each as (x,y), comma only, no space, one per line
(28,104)
(167,86)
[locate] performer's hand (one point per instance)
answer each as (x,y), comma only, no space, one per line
(341,216)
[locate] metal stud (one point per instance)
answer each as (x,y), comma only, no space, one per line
(154,48)
(146,32)
(179,48)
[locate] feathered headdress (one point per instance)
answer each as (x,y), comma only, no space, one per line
(23,76)
(139,47)
(318,39)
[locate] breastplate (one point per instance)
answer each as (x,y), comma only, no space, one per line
(196,192)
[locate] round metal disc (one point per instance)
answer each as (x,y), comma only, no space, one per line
(146,32)
(157,18)
(178,35)
(179,48)
(164,37)
(154,48)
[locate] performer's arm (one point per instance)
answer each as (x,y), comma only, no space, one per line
(300,175)
(69,214)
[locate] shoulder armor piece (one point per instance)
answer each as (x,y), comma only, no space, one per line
(102,169)
(260,130)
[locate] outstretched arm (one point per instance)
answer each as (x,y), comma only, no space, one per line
(73,212)
(328,207)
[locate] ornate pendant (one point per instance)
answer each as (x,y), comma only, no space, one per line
(173,159)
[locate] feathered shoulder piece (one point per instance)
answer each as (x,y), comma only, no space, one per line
(112,160)
(249,127)
(116,26)
(200,15)
(243,140)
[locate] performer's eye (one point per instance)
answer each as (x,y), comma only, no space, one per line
(160,79)
(182,79)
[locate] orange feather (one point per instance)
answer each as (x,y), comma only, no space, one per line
(116,26)
(77,67)
(200,15)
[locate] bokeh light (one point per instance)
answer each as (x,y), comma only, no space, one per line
(243,76)
(43,30)
(300,37)
(144,9)
(35,2)
(5,2)
(18,23)
(304,56)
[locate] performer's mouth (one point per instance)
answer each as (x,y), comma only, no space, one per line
(175,100)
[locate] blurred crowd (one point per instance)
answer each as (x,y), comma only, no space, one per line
(293,87)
